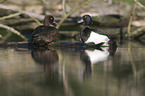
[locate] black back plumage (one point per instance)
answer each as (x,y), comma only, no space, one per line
(86,31)
(85,34)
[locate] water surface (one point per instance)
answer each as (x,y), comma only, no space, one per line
(71,72)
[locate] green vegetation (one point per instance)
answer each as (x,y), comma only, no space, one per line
(130,1)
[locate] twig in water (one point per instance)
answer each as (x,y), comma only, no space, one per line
(137,32)
(132,62)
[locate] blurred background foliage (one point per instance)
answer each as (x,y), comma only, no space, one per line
(105,13)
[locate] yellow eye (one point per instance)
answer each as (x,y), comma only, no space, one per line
(85,16)
(51,18)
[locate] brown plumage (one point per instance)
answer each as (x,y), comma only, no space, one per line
(46,33)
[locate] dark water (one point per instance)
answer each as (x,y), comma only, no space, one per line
(70,72)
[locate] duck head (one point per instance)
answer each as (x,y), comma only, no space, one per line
(49,20)
(87,20)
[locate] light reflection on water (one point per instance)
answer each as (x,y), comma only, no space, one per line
(59,72)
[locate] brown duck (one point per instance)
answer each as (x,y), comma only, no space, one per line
(47,33)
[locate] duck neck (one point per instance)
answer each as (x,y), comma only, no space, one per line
(86,30)
(47,23)
(88,23)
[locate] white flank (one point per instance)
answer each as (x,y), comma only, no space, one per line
(97,55)
(97,38)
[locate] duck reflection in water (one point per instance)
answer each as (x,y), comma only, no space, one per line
(51,58)
(47,58)
(94,56)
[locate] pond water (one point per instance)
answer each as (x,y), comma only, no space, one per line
(71,72)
